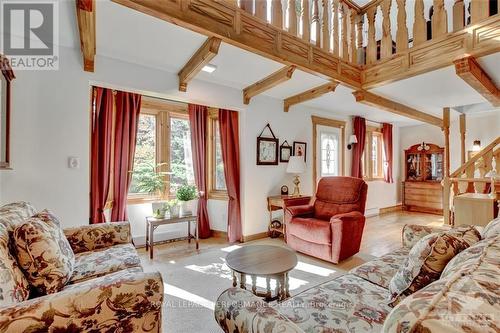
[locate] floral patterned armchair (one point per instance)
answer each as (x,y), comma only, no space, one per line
(108,290)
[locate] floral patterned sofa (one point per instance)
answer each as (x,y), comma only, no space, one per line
(464,299)
(107,292)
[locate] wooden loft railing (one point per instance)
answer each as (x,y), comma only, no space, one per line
(474,176)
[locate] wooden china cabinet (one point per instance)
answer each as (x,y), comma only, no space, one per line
(424,171)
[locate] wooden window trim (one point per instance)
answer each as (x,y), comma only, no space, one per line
(213,193)
(368,175)
(319,121)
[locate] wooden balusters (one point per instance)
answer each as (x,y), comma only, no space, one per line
(386,44)
(247,5)
(419,26)
(335,27)
(402,31)
(439,19)
(292,17)
(306,22)
(317,24)
(371,49)
(345,15)
(359,42)
(353,54)
(261,9)
(325,35)
(277,13)
(458,15)
(479,10)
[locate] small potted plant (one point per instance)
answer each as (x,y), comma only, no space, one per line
(186,194)
(146,179)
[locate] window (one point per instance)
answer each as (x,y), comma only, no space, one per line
(181,158)
(373,154)
(329,153)
(216,179)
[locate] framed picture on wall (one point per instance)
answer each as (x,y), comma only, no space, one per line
(285,152)
(300,149)
(267,151)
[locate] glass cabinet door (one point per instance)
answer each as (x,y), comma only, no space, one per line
(434,166)
(413,167)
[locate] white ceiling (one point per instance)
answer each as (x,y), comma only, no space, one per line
(165,46)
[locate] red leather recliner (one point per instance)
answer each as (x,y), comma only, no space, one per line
(331,226)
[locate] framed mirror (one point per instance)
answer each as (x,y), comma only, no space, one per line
(6,77)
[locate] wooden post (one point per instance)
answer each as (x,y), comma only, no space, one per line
(325,35)
(458,15)
(462,138)
(386,44)
(419,26)
(439,19)
(446,180)
(359,42)
(371,48)
(277,13)
(292,17)
(479,10)
(402,32)
(345,46)
(335,27)
(315,20)
(353,56)
(306,21)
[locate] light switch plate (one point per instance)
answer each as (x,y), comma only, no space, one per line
(73,162)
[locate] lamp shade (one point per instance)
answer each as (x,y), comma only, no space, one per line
(296,165)
(353,139)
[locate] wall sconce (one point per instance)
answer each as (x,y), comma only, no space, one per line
(352,140)
(476,146)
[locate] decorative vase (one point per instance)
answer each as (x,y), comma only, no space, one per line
(185,208)
(159,209)
(174,211)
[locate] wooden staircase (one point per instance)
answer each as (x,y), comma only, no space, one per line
(481,174)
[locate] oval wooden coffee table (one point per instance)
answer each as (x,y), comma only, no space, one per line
(267,261)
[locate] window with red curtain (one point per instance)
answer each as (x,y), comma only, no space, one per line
(359,128)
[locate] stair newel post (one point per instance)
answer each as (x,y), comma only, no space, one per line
(446,180)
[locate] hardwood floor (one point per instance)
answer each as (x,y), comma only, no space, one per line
(382,234)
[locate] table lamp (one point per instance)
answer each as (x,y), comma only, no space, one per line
(296,166)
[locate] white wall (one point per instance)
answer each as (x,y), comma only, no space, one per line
(50,122)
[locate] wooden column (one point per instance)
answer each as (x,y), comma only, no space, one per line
(335,27)
(306,21)
(458,15)
(325,35)
(439,19)
(386,44)
(292,17)
(463,127)
(277,13)
(419,25)
(402,32)
(371,48)
(446,180)
(345,45)
(317,24)
(479,10)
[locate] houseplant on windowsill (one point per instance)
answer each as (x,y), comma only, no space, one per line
(146,179)
(187,194)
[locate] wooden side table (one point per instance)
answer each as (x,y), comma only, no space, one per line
(278,202)
(153,223)
(474,208)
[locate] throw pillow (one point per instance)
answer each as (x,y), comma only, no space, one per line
(44,253)
(14,287)
(492,229)
(427,259)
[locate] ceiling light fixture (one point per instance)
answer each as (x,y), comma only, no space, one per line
(209,68)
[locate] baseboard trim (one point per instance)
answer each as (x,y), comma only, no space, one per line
(391,209)
(253,237)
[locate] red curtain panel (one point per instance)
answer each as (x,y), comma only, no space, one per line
(100,168)
(128,107)
(359,127)
(230,145)
(387,138)
(198,123)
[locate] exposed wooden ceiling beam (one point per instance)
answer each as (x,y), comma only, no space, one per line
(236,27)
(202,57)
(309,94)
(472,73)
(267,83)
(379,102)
(85,14)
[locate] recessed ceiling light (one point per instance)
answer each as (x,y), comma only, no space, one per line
(209,68)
